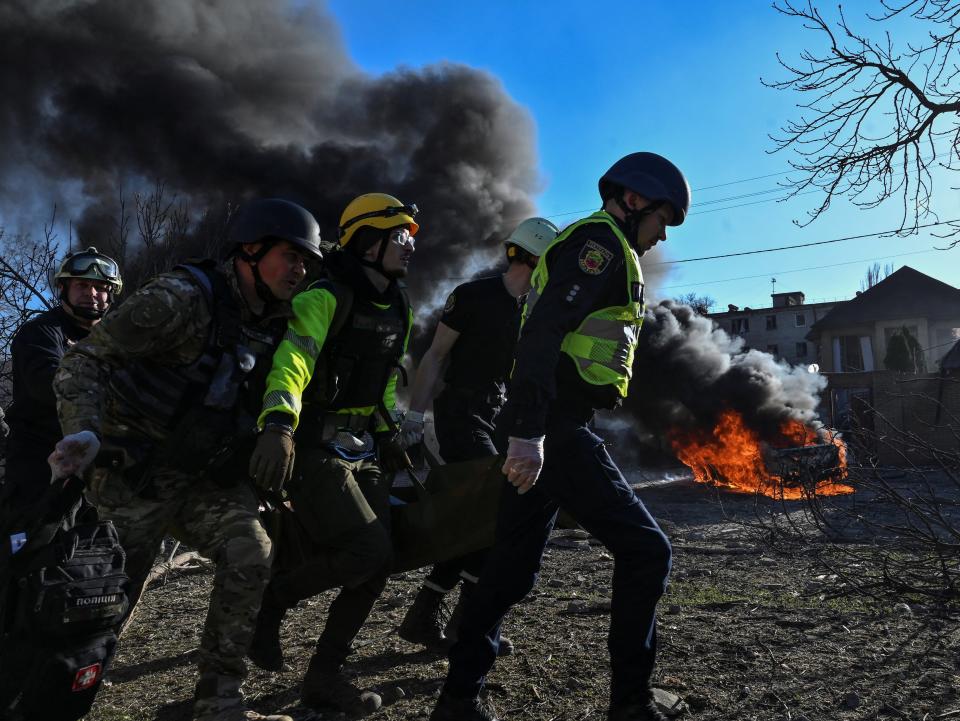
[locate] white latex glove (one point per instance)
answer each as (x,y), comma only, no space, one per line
(73,454)
(524,462)
(411,431)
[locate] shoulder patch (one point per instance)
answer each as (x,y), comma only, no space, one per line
(594,258)
(451,302)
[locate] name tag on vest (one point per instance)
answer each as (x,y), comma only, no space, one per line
(636,292)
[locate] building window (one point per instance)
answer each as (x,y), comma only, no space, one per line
(801,319)
(801,350)
(739,326)
(853,354)
(773,349)
(771,322)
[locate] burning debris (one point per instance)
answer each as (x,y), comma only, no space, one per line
(733,456)
(738,418)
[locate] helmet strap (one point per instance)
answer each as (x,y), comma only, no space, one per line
(377,264)
(633,218)
(253,260)
(84,313)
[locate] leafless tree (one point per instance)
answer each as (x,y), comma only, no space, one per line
(875,274)
(700,303)
(26,269)
(878,120)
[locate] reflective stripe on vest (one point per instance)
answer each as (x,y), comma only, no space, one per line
(604,344)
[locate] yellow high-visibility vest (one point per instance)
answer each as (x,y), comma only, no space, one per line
(604,344)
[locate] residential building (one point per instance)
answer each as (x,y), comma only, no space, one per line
(854,335)
(780,330)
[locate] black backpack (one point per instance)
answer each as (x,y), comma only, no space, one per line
(63,594)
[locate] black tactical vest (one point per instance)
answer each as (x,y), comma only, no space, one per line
(364,346)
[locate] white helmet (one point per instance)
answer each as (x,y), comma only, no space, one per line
(534,235)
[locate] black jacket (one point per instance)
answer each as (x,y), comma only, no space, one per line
(544,377)
(36,351)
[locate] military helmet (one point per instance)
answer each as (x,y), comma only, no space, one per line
(534,235)
(273,219)
(92,265)
(652,176)
(377,210)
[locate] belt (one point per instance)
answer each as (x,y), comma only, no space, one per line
(325,427)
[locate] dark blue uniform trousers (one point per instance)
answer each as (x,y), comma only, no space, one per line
(580,476)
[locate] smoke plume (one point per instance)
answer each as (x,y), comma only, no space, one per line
(223,100)
(687,371)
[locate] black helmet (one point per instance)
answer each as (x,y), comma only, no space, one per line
(652,176)
(275,219)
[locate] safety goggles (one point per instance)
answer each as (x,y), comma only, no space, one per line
(81,265)
(388,212)
(402,237)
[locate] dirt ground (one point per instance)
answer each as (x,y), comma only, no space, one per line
(745,633)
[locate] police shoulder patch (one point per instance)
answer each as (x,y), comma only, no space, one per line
(594,258)
(451,301)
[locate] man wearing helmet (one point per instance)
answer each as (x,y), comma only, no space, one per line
(477,333)
(333,384)
(86,285)
(578,338)
(171,384)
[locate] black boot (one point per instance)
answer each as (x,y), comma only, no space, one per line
(325,686)
(506,647)
(423,624)
(456,708)
(265,650)
(642,708)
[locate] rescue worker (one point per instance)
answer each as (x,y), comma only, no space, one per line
(334,384)
(477,334)
(168,383)
(87,283)
(577,343)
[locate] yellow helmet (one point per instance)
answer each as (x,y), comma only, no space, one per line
(377,210)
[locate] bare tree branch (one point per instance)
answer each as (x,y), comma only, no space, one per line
(878,121)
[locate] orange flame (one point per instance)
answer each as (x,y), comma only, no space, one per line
(732,456)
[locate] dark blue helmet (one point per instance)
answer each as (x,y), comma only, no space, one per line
(652,176)
(273,219)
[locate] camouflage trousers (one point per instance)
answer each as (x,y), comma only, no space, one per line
(222,524)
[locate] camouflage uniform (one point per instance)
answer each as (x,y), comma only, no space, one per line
(166,324)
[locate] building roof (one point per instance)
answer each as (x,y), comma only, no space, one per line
(907,293)
(768,310)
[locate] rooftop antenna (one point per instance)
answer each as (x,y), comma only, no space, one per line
(773,286)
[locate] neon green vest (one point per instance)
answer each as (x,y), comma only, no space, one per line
(603,345)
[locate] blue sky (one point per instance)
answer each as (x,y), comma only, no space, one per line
(681,79)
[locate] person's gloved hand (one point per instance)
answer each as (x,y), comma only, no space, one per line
(391,454)
(73,454)
(411,432)
(271,464)
(524,462)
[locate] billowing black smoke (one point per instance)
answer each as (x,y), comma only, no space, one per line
(687,371)
(227,99)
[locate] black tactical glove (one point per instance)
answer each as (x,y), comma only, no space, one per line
(391,455)
(271,464)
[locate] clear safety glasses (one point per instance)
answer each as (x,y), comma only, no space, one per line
(402,237)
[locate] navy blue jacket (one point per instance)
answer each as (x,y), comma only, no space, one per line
(544,377)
